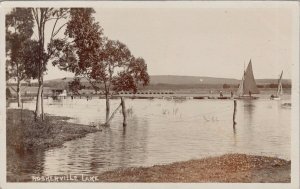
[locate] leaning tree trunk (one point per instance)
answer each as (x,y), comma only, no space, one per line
(19,93)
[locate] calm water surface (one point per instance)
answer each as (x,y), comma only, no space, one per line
(159,132)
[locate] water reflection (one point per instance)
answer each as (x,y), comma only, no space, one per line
(134,138)
(249,107)
(106,150)
(164,131)
(22,164)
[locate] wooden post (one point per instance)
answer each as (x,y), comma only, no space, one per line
(124,112)
(234,112)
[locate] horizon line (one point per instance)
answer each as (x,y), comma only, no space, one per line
(182,76)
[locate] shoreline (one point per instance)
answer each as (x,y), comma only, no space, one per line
(228,168)
(23,133)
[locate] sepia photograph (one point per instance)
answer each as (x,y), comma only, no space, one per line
(150,92)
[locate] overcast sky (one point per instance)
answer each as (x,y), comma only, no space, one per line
(202,41)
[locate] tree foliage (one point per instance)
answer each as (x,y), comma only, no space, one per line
(101,61)
(19,29)
(98,59)
(130,79)
(43,17)
(75,86)
(226,86)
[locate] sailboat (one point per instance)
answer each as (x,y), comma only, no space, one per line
(279,89)
(247,86)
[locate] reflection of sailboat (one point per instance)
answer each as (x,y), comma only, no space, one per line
(279,89)
(247,86)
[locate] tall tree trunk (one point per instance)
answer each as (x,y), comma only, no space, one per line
(39,102)
(39,112)
(42,99)
(107,107)
(19,92)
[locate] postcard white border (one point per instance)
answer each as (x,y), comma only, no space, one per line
(294,5)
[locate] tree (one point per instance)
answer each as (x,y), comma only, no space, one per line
(100,61)
(130,79)
(226,86)
(115,55)
(8,93)
(19,29)
(75,86)
(42,17)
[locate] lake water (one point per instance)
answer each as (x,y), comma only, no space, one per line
(159,132)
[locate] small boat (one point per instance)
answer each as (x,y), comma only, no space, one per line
(286,105)
(212,97)
(198,97)
(279,90)
(223,97)
(247,86)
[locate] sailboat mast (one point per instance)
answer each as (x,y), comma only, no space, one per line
(279,88)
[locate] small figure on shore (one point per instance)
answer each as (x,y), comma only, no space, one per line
(231,94)
(221,94)
(250,93)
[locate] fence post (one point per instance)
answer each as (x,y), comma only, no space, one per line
(124,112)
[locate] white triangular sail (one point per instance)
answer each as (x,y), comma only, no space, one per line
(241,86)
(279,88)
(248,84)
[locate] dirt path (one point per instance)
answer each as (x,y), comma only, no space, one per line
(226,168)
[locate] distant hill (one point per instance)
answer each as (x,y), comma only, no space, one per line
(180,80)
(177,80)
(189,80)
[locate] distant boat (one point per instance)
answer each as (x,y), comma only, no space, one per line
(279,89)
(247,86)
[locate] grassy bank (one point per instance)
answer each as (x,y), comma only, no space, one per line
(24,133)
(227,168)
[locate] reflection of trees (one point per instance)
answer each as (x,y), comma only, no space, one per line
(118,147)
(134,142)
(112,148)
(21,165)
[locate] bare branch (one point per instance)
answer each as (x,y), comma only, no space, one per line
(85,75)
(51,38)
(54,18)
(57,31)
(13,89)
